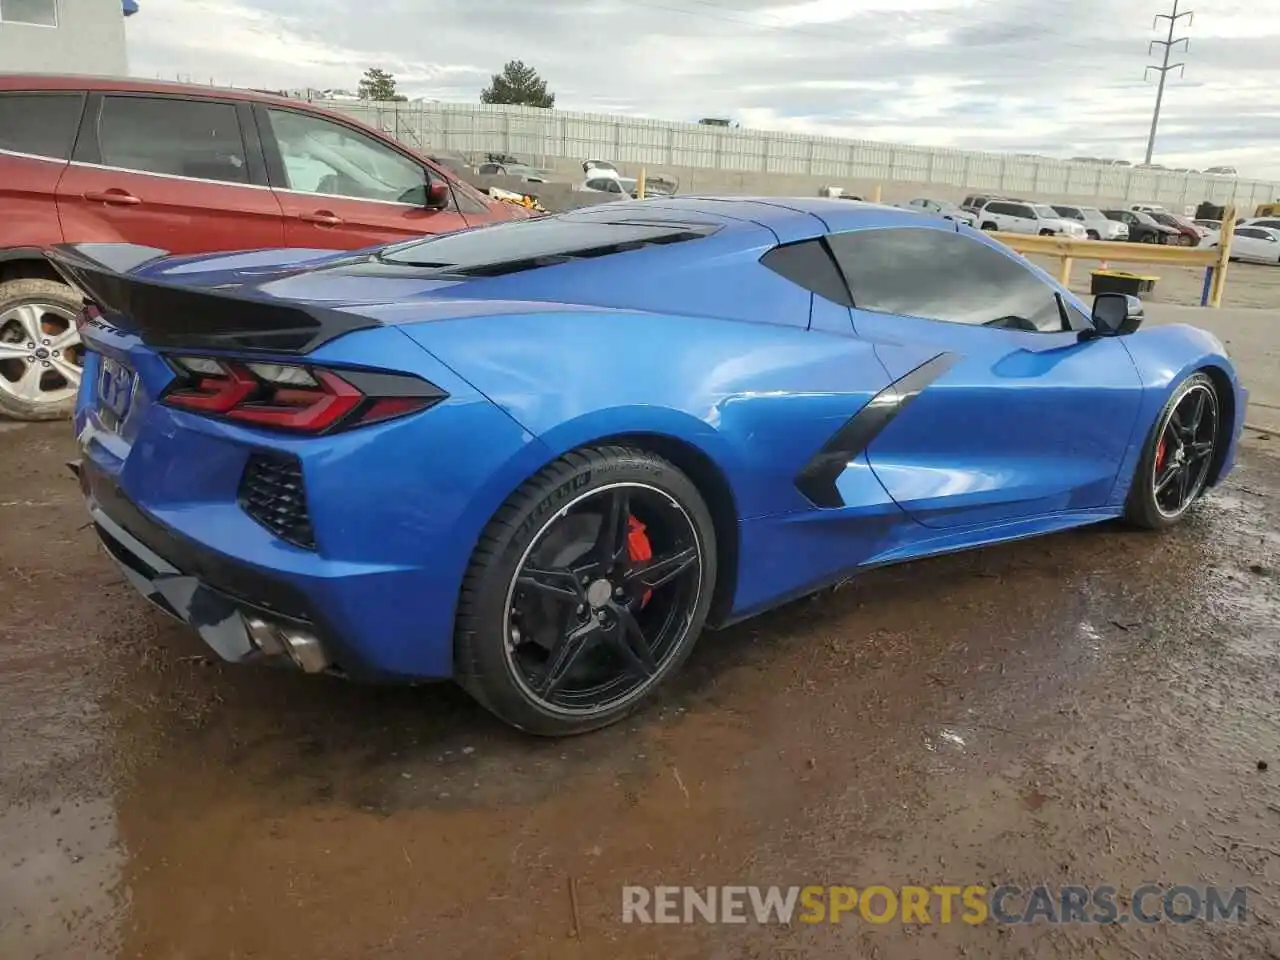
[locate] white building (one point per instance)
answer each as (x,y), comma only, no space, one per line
(64,36)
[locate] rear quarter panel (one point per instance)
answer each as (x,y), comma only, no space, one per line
(28,214)
(757,399)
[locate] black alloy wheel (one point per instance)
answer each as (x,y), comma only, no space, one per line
(588,590)
(1175,466)
(594,611)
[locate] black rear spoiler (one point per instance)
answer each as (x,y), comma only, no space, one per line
(168,315)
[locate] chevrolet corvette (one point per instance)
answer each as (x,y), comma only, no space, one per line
(540,457)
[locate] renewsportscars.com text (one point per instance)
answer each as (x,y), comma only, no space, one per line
(973,904)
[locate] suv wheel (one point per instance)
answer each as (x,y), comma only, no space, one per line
(40,350)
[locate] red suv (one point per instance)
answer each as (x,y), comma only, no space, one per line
(189,170)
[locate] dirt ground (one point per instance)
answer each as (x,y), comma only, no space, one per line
(1088,708)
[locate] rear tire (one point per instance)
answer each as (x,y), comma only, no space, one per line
(1157,498)
(1092,234)
(40,350)
(988,225)
(539,592)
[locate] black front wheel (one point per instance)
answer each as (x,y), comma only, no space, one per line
(1175,464)
(588,588)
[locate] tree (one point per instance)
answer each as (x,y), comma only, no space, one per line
(377,84)
(518,84)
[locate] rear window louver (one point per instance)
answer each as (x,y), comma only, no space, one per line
(586,253)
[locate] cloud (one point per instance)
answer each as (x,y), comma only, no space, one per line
(1018,75)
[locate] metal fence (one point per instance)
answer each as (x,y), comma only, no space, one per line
(747,154)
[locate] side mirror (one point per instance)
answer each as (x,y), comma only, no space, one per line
(1115,314)
(437,195)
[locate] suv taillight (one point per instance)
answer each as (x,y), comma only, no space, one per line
(294,397)
(88,312)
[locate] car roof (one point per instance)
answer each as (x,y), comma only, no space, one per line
(52,82)
(790,218)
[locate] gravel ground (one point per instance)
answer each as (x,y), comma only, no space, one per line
(1089,708)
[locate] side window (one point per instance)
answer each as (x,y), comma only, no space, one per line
(995,206)
(488,169)
(184,138)
(332,160)
(1025,212)
(1250,232)
(43,125)
(38,13)
(1261,223)
(940,275)
(809,264)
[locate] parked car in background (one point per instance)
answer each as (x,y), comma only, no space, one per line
(184,169)
(1222,171)
(623,188)
(523,171)
(1253,244)
(945,209)
(1271,223)
(1096,224)
(1188,234)
(1032,218)
(454,163)
(976,201)
(1142,229)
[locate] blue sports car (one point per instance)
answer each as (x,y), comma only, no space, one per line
(540,457)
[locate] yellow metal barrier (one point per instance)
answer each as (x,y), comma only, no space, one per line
(1066,251)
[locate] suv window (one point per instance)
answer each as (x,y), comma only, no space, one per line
(184,138)
(997,206)
(43,125)
(940,275)
(40,13)
(327,158)
(1024,211)
(1071,213)
(1250,232)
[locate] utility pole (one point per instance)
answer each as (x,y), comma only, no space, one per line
(1169,43)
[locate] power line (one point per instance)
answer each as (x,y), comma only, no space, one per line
(1169,43)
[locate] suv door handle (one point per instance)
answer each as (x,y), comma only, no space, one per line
(323,217)
(120,198)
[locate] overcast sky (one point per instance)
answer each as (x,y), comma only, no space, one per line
(1058,77)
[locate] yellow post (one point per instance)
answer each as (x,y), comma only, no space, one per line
(1064,272)
(1219,284)
(640,185)
(875,194)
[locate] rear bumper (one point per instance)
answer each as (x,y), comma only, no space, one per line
(240,614)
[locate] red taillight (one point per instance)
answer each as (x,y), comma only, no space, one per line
(295,398)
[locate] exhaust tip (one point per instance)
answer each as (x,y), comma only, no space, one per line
(301,647)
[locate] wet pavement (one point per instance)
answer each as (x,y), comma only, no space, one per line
(1090,708)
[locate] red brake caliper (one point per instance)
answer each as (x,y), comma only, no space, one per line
(639,550)
(1160,452)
